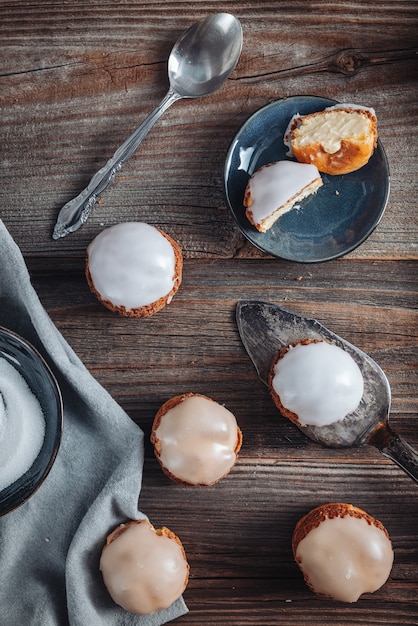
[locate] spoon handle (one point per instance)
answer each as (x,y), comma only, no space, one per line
(393,446)
(76,211)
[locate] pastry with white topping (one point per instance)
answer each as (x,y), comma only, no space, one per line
(195,439)
(276,188)
(134,268)
(144,570)
(315,383)
(342,551)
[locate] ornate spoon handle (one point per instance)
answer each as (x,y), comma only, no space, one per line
(76,211)
(393,446)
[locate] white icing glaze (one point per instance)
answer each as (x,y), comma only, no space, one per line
(144,571)
(345,557)
(131,264)
(197,440)
(22,425)
(353,107)
(319,382)
(294,120)
(275,185)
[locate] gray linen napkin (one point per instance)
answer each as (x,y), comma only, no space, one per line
(50,547)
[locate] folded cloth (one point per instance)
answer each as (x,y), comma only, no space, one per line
(50,546)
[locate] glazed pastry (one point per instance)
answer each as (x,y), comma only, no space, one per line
(338,140)
(134,268)
(276,188)
(315,383)
(342,551)
(195,439)
(144,570)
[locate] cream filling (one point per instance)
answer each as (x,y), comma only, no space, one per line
(131,264)
(144,571)
(345,557)
(197,440)
(331,127)
(319,382)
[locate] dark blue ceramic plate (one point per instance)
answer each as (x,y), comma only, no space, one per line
(329,224)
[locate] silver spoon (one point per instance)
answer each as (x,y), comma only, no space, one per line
(265,328)
(200,62)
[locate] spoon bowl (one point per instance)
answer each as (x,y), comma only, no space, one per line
(205,55)
(200,62)
(265,328)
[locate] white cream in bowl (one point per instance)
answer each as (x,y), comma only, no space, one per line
(22,425)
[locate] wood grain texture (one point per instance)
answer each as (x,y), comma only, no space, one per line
(75,79)
(237,533)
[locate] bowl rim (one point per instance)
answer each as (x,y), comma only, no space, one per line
(32,352)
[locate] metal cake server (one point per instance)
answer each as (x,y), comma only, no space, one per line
(264,328)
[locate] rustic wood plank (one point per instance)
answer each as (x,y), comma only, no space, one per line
(75,79)
(244,530)
(89,73)
(143,362)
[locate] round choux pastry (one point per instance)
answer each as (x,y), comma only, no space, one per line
(195,439)
(342,551)
(315,383)
(134,268)
(144,570)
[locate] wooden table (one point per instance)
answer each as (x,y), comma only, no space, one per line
(76,79)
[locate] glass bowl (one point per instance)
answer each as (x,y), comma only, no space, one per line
(27,361)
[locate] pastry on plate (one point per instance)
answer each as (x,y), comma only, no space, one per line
(144,570)
(276,188)
(342,551)
(338,140)
(195,439)
(134,268)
